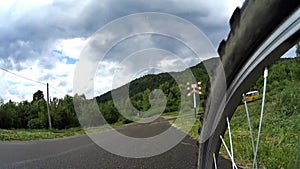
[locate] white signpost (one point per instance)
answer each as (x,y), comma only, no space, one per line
(194,89)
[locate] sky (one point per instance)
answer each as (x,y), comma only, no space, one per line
(43,39)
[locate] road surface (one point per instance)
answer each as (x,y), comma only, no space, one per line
(81,152)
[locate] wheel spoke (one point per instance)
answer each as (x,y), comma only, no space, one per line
(215,161)
(230,139)
(261,116)
(250,126)
(229,153)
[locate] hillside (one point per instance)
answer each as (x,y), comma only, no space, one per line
(281,127)
(280,138)
(282,78)
(152,82)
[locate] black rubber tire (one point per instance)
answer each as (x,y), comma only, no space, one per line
(250,27)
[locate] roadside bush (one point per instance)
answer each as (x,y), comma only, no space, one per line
(35,123)
(289,101)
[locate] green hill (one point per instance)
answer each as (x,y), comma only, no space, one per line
(281,127)
(152,82)
(280,138)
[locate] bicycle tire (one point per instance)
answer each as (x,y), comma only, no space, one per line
(250,26)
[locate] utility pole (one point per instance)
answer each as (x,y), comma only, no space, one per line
(49,117)
(195,88)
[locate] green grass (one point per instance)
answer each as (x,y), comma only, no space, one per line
(170,114)
(194,131)
(37,134)
(185,124)
(40,134)
(279,139)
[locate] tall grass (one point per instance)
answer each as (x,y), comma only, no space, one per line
(280,132)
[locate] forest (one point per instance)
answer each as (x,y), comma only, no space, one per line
(33,115)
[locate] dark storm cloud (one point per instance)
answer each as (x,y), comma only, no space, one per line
(32,34)
(199,12)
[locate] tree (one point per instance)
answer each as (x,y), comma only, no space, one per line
(38,96)
(8,115)
(110,112)
(24,110)
(1,101)
(38,114)
(63,113)
(146,105)
(172,92)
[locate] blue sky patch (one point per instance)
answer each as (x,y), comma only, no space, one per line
(62,58)
(57,51)
(69,60)
(13,83)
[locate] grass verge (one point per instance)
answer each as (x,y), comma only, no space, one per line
(184,124)
(37,134)
(279,139)
(41,134)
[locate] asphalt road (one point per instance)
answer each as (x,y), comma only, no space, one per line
(82,152)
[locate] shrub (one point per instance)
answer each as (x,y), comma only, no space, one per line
(35,123)
(289,101)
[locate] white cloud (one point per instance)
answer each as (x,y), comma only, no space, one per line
(232,4)
(18,8)
(21,5)
(171,64)
(17,89)
(71,47)
(33,29)
(104,77)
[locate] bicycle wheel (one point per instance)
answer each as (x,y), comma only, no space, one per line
(261,32)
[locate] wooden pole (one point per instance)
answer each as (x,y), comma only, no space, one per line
(49,117)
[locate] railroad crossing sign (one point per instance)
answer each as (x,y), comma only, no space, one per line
(194,89)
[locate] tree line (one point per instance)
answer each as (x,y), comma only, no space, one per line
(143,96)
(33,115)
(143,100)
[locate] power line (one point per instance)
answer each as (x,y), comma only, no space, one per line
(35,81)
(57,90)
(22,76)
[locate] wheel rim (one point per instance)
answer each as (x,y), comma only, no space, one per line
(285,36)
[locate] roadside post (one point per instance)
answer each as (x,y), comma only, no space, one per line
(194,89)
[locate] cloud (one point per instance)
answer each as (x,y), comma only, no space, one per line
(42,40)
(29,30)
(105,74)
(71,47)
